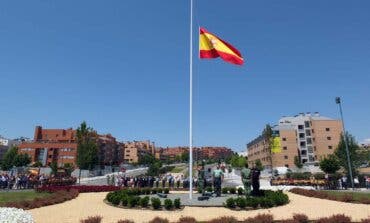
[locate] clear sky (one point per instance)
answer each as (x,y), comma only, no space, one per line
(123,66)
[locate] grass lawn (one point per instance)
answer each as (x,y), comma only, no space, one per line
(15,196)
(357,196)
(178,169)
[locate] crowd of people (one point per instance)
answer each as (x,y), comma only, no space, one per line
(165,180)
(21,181)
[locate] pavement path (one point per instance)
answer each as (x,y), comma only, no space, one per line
(91,204)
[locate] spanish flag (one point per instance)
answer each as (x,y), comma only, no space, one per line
(210,46)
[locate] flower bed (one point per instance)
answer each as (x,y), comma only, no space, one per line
(267,199)
(14,215)
(344,197)
(80,188)
(260,218)
(54,198)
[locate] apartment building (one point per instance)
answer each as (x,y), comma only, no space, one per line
(136,149)
(310,137)
(199,153)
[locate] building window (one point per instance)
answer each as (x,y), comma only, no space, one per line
(304,152)
(309,141)
(285,148)
(301,135)
(307,124)
(327,129)
(308,132)
(309,149)
(286,157)
(330,147)
(284,139)
(287,165)
(329,138)
(300,127)
(314,148)
(303,144)
(313,131)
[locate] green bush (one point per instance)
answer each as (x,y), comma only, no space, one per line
(266,202)
(156,203)
(225,190)
(160,190)
(154,190)
(133,201)
(240,191)
(124,200)
(144,202)
(230,202)
(209,189)
(177,203)
(241,202)
(233,190)
(252,202)
(116,200)
(166,190)
(199,190)
(168,204)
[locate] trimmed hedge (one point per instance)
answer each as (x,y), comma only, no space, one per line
(80,188)
(269,199)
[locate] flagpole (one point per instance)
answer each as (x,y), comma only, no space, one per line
(191,106)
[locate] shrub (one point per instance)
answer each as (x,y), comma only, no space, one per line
(232,190)
(367,220)
(177,203)
(241,202)
(133,201)
(225,190)
(240,191)
(159,220)
(144,202)
(347,198)
(260,218)
(116,199)
(154,190)
(79,188)
(300,218)
(92,219)
(266,202)
(166,190)
(228,219)
(168,204)
(230,202)
(156,203)
(209,189)
(125,221)
(252,202)
(124,200)
(339,218)
(187,220)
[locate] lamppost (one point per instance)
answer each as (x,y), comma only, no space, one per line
(338,101)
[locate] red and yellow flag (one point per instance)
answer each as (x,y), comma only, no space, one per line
(210,46)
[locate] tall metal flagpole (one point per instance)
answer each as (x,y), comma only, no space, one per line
(191,106)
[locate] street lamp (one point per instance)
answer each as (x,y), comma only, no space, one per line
(337,100)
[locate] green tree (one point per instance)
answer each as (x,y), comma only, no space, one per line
(354,155)
(146,159)
(258,165)
(54,168)
(8,160)
(297,162)
(185,157)
(237,161)
(87,149)
(21,160)
(37,164)
(68,167)
(154,168)
(330,164)
(267,134)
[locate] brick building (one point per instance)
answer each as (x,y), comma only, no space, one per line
(199,153)
(309,137)
(51,145)
(136,149)
(60,146)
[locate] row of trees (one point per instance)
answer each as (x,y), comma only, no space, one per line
(13,159)
(332,163)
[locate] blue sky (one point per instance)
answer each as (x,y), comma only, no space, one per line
(123,67)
